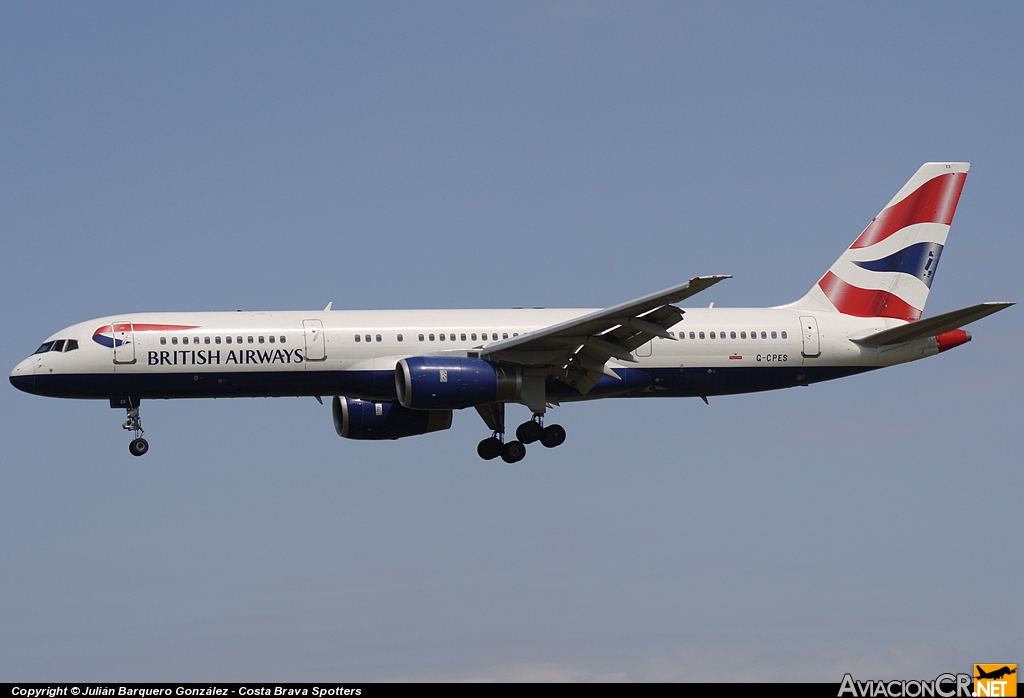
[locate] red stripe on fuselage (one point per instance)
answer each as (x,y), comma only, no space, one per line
(933,202)
(862,302)
(128,327)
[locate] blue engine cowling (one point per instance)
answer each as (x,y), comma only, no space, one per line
(451,383)
(362,419)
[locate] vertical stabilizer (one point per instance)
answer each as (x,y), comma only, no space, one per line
(889,268)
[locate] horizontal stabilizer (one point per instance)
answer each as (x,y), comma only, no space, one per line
(932,326)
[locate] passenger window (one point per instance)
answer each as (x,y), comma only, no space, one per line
(239,339)
(174,340)
(431,338)
(250,339)
(227,339)
(764,335)
(774,336)
(58,345)
(504,335)
(71,345)
(206,340)
(421,338)
(692,337)
(743,335)
(732,335)
(463,336)
(216,340)
(195,340)
(367,338)
(163,340)
(712,335)
(359,338)
(400,338)
(702,335)
(282,339)
(784,335)
(271,338)
(515,334)
(442,336)
(378,338)
(494,336)
(184,340)
(473,336)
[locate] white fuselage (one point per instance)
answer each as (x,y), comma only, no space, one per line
(354,353)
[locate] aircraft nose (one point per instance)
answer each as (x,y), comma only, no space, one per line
(23,377)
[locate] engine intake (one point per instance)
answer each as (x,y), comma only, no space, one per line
(362,419)
(430,383)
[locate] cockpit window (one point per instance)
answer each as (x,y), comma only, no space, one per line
(58,345)
(71,345)
(44,347)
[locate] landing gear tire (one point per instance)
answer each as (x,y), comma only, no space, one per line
(528,432)
(138,447)
(553,435)
(513,452)
(489,449)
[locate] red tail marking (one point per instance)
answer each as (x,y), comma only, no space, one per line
(862,302)
(933,202)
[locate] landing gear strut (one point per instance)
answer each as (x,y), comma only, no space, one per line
(139,445)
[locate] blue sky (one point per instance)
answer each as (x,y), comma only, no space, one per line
(191,156)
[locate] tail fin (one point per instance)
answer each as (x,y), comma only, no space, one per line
(888,270)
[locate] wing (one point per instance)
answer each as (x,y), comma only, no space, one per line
(577,351)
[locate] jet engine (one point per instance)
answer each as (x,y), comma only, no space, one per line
(362,419)
(451,383)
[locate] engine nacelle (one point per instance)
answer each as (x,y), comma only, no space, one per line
(362,419)
(451,383)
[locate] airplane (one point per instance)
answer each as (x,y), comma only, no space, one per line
(400,373)
(996,674)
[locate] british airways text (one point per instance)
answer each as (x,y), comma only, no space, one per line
(209,357)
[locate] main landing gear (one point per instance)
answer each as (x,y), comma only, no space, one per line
(527,433)
(511,452)
(139,446)
(534,430)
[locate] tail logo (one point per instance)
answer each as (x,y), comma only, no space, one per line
(889,269)
(918,260)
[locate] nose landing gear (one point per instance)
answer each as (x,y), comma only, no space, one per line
(139,446)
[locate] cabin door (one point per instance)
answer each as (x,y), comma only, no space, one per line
(809,332)
(124,342)
(316,347)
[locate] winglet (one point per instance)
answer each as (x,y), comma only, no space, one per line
(329,306)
